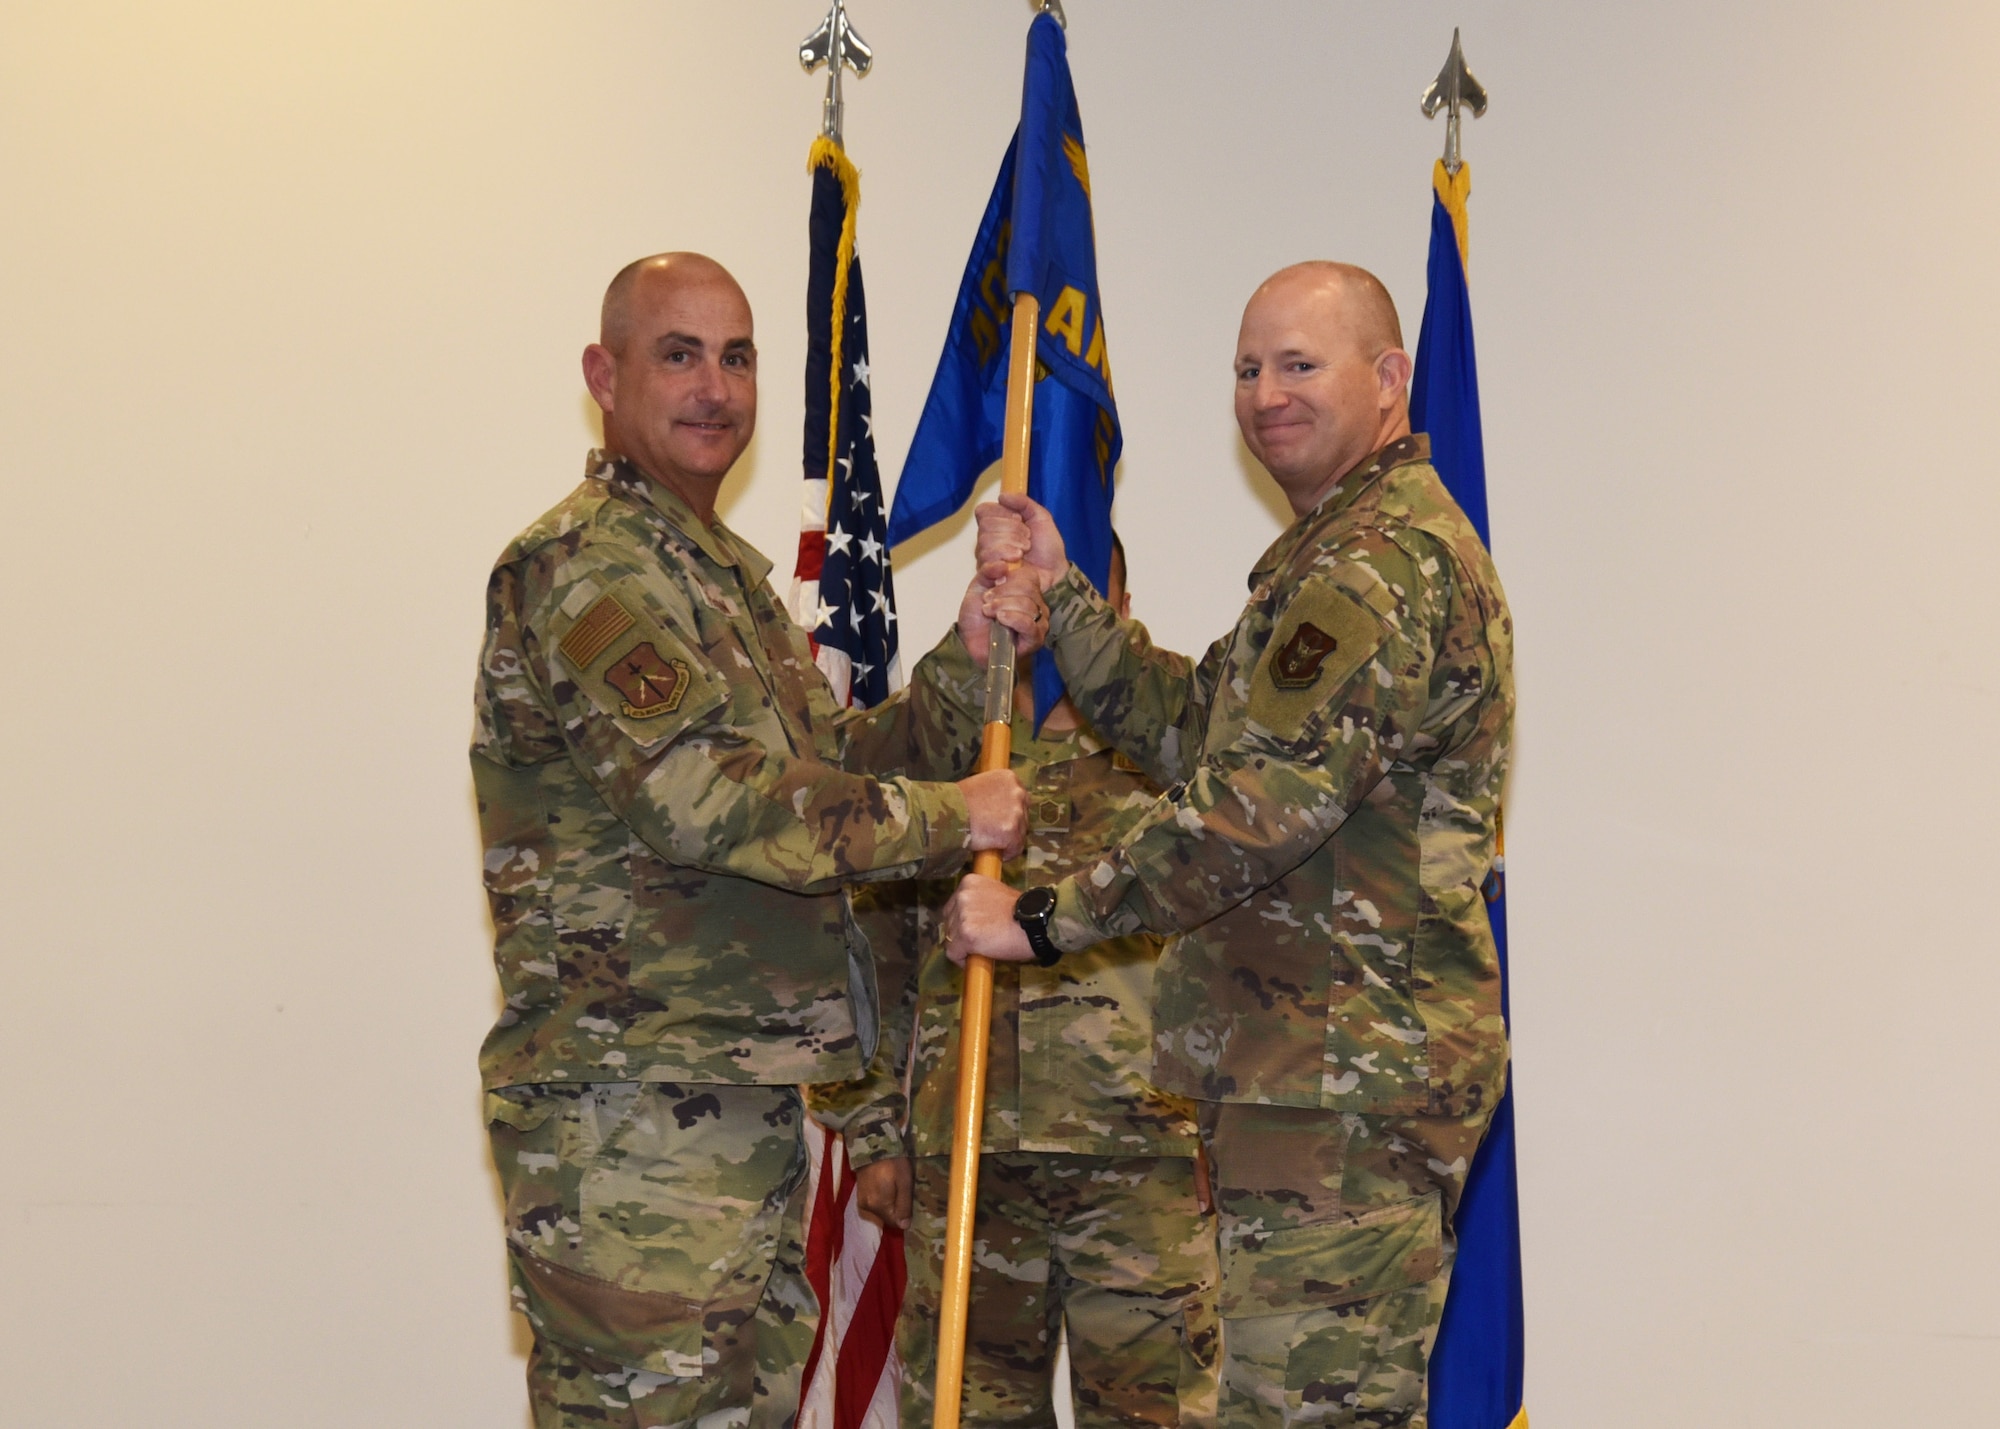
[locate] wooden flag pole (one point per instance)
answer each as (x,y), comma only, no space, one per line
(975,1008)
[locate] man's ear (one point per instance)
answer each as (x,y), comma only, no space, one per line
(1392,372)
(1124,605)
(600,373)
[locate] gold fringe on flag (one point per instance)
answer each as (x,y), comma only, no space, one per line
(828,152)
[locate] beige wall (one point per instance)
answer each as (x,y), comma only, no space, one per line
(293,297)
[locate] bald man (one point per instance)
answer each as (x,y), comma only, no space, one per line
(1330,996)
(672,808)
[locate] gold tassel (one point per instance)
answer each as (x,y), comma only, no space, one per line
(826,152)
(1452,191)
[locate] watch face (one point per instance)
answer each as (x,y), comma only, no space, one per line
(1036,903)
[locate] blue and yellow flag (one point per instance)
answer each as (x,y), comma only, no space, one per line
(1035,237)
(1477,1365)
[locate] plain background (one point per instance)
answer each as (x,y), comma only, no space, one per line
(293,297)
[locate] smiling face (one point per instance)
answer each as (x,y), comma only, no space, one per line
(675,372)
(1321,377)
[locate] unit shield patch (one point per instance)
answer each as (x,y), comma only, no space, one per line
(652,686)
(1296,666)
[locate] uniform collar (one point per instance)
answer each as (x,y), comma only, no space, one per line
(1401,452)
(1052,746)
(714,540)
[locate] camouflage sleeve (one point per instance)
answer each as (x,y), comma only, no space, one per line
(931,729)
(1334,696)
(871,1111)
(1150,704)
(644,715)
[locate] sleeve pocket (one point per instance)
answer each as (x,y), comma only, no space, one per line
(1318,1267)
(634,670)
(1321,641)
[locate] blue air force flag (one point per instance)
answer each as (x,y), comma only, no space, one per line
(1035,237)
(1477,1366)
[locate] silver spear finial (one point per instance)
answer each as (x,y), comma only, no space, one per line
(838,46)
(1053,7)
(1453,89)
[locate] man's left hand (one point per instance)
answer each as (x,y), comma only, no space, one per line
(882,1191)
(980,919)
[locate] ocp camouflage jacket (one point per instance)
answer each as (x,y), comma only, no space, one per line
(1336,766)
(668,817)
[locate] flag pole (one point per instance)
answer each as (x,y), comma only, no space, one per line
(975,1010)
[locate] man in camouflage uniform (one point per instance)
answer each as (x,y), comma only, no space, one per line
(669,824)
(1091,1208)
(1331,995)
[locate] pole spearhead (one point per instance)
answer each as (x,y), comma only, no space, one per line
(837,45)
(1454,90)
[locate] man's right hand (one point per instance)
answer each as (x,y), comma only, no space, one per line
(997,807)
(1015,531)
(1013,600)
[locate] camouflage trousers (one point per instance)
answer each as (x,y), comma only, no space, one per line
(653,1232)
(1112,1247)
(1336,1250)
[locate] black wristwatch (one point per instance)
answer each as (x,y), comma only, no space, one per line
(1032,911)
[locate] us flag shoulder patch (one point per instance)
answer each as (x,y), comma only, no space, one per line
(603,623)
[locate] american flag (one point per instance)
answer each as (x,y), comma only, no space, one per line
(853,1376)
(843,595)
(842,591)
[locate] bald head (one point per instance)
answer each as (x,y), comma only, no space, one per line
(1322,380)
(1350,296)
(647,279)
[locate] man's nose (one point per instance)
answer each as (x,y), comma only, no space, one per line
(709,385)
(1266,394)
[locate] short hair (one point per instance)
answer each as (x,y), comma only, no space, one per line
(614,319)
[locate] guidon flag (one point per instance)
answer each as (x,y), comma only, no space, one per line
(1037,237)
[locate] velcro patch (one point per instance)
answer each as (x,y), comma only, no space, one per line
(1323,636)
(1296,666)
(603,623)
(1324,633)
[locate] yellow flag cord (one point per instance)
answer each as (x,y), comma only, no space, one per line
(828,152)
(1452,191)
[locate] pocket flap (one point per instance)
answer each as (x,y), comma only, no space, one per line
(524,1110)
(1317,1267)
(644,1329)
